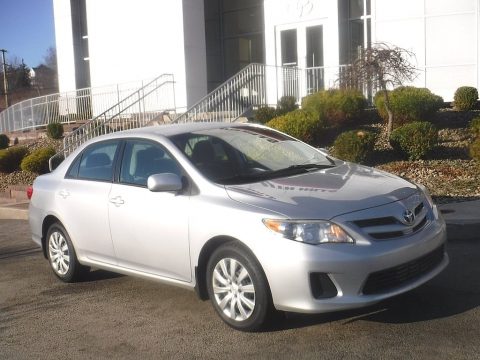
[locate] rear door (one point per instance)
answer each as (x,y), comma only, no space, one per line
(83,201)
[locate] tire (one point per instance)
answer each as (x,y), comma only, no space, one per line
(61,255)
(243,299)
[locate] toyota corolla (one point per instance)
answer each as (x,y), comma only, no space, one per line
(251,218)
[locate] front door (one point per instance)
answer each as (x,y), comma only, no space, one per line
(301,46)
(149,229)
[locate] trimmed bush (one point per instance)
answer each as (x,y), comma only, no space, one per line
(335,106)
(55,130)
(475,127)
(408,104)
(11,158)
(414,140)
(465,98)
(264,114)
(37,161)
(286,104)
(475,149)
(354,146)
(15,141)
(300,124)
(4,141)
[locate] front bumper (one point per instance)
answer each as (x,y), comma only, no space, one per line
(348,266)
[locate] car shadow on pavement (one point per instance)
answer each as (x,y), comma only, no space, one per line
(455,291)
(99,275)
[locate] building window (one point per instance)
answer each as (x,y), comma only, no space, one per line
(234,32)
(354,28)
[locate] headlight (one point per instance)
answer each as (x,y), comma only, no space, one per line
(310,232)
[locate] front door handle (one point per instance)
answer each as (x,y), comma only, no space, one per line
(64,193)
(117,200)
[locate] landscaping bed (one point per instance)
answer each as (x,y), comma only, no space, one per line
(447,171)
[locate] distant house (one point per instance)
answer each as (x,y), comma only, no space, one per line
(204,42)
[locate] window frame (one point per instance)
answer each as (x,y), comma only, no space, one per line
(121,156)
(80,156)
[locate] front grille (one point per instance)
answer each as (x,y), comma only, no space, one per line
(389,227)
(376,222)
(389,279)
(418,208)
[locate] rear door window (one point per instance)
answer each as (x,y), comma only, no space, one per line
(97,161)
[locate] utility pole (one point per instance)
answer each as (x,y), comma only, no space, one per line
(5,83)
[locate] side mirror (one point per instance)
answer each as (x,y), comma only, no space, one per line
(164,182)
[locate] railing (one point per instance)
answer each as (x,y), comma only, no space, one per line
(74,106)
(145,105)
(258,85)
(231,99)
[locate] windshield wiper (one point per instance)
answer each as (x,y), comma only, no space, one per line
(271,174)
(307,167)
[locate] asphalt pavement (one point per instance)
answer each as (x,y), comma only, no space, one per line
(121,317)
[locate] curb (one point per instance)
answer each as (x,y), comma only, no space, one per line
(13,214)
(17,211)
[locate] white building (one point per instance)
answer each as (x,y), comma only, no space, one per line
(204,42)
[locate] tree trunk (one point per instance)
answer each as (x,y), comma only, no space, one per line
(389,112)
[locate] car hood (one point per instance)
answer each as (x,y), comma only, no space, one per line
(324,194)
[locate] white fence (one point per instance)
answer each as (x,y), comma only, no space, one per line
(73,106)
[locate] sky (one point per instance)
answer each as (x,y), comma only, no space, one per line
(26,29)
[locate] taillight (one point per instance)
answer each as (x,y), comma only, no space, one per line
(29,192)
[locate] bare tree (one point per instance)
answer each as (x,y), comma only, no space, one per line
(381,67)
(50,58)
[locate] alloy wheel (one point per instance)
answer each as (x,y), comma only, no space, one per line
(233,289)
(59,253)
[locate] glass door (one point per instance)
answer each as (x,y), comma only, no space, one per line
(300,46)
(314,58)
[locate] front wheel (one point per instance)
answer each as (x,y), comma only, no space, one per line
(238,288)
(62,256)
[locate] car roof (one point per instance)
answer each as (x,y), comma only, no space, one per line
(174,129)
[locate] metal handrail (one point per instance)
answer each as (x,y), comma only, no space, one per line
(125,119)
(67,107)
(143,106)
(258,85)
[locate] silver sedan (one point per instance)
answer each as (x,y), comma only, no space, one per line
(253,219)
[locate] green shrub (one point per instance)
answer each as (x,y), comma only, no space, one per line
(11,158)
(465,98)
(15,141)
(475,127)
(300,124)
(286,104)
(475,149)
(354,146)
(4,141)
(414,140)
(264,114)
(335,106)
(408,104)
(37,161)
(55,130)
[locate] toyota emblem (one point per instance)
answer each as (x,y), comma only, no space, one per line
(408,217)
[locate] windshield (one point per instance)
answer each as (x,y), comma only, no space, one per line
(236,155)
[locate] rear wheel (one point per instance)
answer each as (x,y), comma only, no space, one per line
(238,288)
(62,256)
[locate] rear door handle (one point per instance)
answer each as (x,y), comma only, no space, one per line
(64,193)
(117,200)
